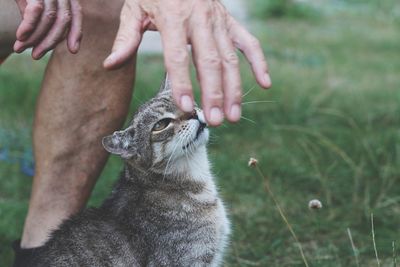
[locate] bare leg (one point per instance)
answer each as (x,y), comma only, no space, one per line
(79,103)
(9,21)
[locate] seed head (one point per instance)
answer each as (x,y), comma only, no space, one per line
(314,204)
(252,162)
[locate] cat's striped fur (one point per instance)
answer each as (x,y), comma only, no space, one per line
(163,211)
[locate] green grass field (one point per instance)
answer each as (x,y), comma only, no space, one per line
(331,131)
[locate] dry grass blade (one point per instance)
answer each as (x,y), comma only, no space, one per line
(355,250)
(257,102)
(373,240)
(267,188)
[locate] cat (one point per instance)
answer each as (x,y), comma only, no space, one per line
(163,211)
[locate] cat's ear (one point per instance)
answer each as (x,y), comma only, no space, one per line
(166,84)
(120,143)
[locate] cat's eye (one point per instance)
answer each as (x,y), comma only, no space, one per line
(161,125)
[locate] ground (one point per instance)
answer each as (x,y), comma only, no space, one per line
(330,130)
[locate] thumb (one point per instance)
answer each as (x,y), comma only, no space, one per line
(129,36)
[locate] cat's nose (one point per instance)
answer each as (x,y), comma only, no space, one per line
(196,114)
(193,115)
(200,117)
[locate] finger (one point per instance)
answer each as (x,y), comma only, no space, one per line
(209,69)
(252,50)
(128,38)
(231,82)
(57,31)
(31,17)
(46,21)
(75,33)
(176,58)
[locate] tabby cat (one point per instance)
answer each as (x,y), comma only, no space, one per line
(163,211)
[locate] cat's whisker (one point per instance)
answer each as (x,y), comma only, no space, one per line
(249,91)
(170,157)
(141,101)
(247,119)
(212,139)
(257,102)
(225,125)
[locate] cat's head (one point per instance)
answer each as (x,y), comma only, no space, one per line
(160,134)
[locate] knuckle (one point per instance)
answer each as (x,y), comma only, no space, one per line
(38,6)
(237,94)
(78,7)
(178,57)
(208,13)
(51,15)
(213,60)
(216,97)
(254,43)
(181,88)
(231,58)
(204,16)
(66,17)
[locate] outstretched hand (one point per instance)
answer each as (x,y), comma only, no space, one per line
(214,36)
(45,23)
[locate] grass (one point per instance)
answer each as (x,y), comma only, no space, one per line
(282,9)
(331,133)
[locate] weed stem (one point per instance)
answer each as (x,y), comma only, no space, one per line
(373,240)
(269,191)
(355,250)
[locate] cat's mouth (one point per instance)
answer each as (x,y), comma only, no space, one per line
(200,130)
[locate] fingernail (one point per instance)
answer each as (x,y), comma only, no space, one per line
(235,113)
(216,115)
(76,46)
(186,103)
(267,80)
(18,47)
(38,56)
(109,60)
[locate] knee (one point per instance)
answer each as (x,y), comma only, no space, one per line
(102,10)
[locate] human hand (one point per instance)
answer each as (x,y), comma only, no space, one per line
(45,23)
(214,36)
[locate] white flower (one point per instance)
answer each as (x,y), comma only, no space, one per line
(315,204)
(252,162)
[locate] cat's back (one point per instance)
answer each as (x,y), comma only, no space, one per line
(90,238)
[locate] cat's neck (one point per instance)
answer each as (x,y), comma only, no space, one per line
(190,178)
(193,168)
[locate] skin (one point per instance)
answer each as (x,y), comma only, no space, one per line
(79,93)
(75,110)
(45,23)
(9,22)
(205,24)
(214,36)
